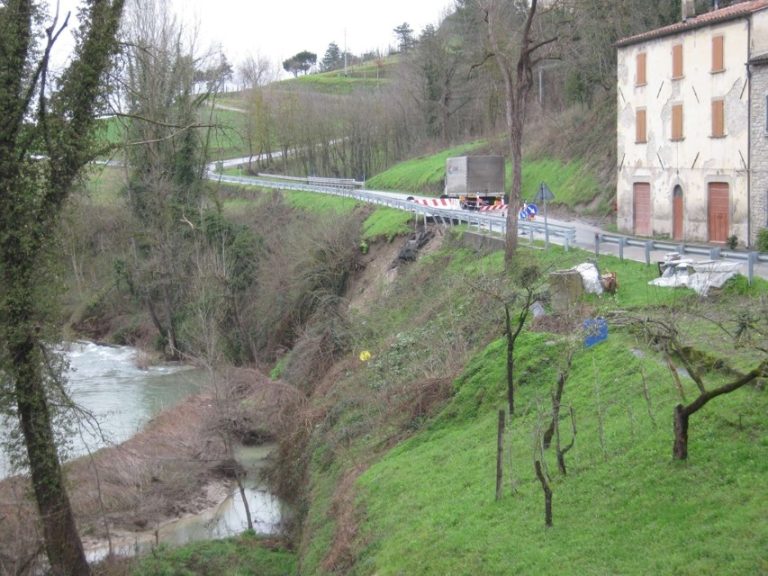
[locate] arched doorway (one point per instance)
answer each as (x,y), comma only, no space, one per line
(677,213)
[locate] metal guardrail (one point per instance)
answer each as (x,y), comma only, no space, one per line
(712,252)
(484,222)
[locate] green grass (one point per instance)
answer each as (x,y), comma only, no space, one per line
(426,505)
(423,175)
(624,509)
(572,183)
(366,76)
(103,185)
(242,556)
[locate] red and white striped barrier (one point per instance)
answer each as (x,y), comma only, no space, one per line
(447,203)
(493,207)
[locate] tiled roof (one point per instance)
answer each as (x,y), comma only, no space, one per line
(759,59)
(733,12)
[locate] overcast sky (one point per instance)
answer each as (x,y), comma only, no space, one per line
(278,29)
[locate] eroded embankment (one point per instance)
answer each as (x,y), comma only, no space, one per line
(179,464)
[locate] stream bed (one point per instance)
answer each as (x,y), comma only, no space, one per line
(106,381)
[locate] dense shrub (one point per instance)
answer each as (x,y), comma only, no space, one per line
(762,240)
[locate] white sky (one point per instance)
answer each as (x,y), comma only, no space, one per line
(278,29)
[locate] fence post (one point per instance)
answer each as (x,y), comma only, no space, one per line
(751,261)
(648,248)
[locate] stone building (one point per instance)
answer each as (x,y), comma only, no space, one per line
(692,127)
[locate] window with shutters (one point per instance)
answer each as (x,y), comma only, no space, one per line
(640,126)
(677,122)
(677,61)
(718,54)
(640,78)
(718,118)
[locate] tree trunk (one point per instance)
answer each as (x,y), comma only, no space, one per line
(62,542)
(547,494)
(510,362)
(680,450)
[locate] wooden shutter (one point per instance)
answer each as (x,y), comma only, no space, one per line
(718,209)
(677,61)
(642,208)
(718,118)
(640,126)
(718,54)
(640,78)
(677,213)
(677,122)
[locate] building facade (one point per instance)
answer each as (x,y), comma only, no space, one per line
(691,127)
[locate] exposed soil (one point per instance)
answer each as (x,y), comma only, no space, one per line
(170,469)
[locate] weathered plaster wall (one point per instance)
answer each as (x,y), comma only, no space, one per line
(699,158)
(759,151)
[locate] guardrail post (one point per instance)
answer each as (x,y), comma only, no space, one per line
(751,261)
(648,248)
(567,242)
(530,230)
(714,253)
(622,241)
(597,244)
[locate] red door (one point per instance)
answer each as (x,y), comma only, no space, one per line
(677,213)
(718,210)
(642,208)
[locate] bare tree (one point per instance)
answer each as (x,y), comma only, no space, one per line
(669,335)
(515,59)
(255,72)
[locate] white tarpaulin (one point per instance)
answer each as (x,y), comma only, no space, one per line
(698,276)
(590,277)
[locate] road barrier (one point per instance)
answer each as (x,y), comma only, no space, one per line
(712,252)
(484,222)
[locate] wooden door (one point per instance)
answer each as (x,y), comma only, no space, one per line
(642,209)
(718,210)
(677,213)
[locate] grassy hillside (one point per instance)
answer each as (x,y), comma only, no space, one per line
(573,183)
(380,505)
(366,76)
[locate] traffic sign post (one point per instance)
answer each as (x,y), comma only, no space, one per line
(543,195)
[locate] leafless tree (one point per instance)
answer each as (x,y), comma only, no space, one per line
(516,52)
(670,335)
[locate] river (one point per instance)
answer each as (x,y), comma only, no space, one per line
(106,381)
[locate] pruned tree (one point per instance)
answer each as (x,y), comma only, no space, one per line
(46,138)
(517,301)
(516,54)
(539,467)
(670,337)
(557,398)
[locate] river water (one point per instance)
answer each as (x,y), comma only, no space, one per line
(106,381)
